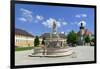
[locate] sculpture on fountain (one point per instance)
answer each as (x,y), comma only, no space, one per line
(54,45)
(54,41)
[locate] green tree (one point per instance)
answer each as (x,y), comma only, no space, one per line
(93,40)
(87,39)
(72,38)
(36,41)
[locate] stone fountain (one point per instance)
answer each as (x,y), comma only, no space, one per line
(54,45)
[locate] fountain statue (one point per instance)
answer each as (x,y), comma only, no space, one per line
(54,45)
(53,41)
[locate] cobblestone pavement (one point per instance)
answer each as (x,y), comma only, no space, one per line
(82,53)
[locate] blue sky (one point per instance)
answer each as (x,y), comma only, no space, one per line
(37,19)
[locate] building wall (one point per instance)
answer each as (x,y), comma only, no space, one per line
(24,41)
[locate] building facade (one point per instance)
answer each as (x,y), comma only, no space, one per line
(23,38)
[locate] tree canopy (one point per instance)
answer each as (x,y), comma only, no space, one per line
(36,41)
(87,39)
(72,38)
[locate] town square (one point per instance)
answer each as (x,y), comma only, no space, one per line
(54,37)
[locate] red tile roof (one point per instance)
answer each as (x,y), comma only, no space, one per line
(86,32)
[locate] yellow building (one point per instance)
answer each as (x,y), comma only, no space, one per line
(23,38)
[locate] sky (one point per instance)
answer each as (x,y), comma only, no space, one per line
(38,19)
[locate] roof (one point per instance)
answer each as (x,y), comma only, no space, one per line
(86,32)
(22,32)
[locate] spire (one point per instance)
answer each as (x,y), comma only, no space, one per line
(81,27)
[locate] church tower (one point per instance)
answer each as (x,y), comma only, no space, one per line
(82,28)
(81,34)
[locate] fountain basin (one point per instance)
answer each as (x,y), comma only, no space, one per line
(53,52)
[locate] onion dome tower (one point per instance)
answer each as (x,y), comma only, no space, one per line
(81,34)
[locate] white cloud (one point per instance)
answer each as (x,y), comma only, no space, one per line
(81,15)
(49,22)
(77,16)
(45,24)
(58,24)
(22,19)
(25,11)
(64,23)
(84,15)
(62,32)
(39,17)
(79,23)
(26,15)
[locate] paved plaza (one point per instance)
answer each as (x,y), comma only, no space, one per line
(82,53)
